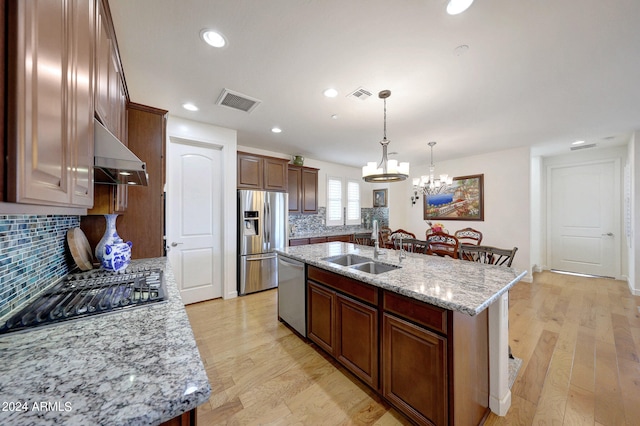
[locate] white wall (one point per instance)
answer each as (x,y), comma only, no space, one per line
(584,156)
(538,218)
(506,201)
(225,138)
(633,242)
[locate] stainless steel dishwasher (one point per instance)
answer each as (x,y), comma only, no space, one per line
(292,294)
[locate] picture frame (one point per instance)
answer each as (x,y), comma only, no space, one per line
(462,200)
(380,197)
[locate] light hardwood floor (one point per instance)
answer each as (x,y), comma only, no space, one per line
(579,339)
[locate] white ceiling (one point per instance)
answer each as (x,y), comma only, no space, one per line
(540,73)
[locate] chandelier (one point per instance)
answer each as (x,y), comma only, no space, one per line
(430,184)
(387,170)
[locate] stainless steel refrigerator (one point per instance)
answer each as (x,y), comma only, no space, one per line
(262,227)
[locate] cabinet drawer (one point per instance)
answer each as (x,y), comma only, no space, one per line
(343,238)
(419,312)
(317,240)
(361,291)
(299,242)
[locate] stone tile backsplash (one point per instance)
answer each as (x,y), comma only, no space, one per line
(33,255)
(315,223)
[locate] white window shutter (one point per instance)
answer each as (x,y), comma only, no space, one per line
(334,201)
(353,202)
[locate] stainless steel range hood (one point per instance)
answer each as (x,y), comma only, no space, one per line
(114,163)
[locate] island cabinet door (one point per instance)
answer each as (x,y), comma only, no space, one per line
(321,314)
(414,371)
(357,338)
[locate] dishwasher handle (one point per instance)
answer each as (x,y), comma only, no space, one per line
(291,262)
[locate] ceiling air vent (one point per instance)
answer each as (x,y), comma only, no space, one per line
(577,147)
(359,93)
(238,101)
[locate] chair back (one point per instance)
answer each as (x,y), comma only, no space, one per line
(441,244)
(411,245)
(487,254)
(469,236)
(383,237)
(400,234)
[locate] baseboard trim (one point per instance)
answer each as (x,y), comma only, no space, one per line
(500,406)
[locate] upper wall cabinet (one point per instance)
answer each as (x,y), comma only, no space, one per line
(303,189)
(111,93)
(261,173)
(50,106)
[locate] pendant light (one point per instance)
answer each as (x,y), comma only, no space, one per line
(430,184)
(387,170)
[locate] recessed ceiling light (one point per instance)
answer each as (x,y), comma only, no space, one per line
(458,6)
(334,116)
(276,130)
(577,143)
(330,93)
(189,107)
(213,38)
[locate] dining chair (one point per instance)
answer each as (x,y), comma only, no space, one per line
(441,244)
(400,233)
(411,245)
(468,236)
(383,237)
(487,254)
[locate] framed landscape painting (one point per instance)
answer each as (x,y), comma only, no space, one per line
(462,200)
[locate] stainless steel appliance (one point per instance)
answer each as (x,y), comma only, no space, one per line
(262,227)
(89,293)
(292,294)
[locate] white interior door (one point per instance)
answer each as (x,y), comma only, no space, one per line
(584,218)
(194,219)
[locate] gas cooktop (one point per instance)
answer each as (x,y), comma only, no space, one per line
(90,293)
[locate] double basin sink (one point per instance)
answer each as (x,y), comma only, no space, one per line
(360,263)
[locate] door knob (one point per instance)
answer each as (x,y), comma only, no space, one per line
(608,234)
(173,244)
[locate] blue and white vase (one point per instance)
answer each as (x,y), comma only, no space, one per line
(113,253)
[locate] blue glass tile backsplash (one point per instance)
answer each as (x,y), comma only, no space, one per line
(33,255)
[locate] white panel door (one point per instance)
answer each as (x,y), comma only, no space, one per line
(584,221)
(194,219)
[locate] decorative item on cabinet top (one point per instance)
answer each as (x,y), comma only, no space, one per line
(298,160)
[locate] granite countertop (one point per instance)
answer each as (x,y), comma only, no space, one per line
(453,284)
(329,233)
(138,366)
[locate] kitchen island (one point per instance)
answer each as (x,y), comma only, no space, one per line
(429,334)
(138,366)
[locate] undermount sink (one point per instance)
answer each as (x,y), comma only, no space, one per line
(374,267)
(347,259)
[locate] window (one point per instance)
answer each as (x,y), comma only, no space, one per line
(353,202)
(334,201)
(338,199)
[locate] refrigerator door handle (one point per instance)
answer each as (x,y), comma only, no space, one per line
(251,259)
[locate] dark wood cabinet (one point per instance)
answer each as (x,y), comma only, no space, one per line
(343,321)
(415,370)
(357,338)
(49,104)
(430,363)
(346,238)
(321,316)
(143,221)
(303,189)
(261,173)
